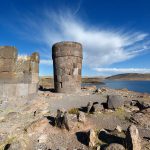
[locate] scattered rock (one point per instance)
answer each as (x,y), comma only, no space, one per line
(115,146)
(97,107)
(42,138)
(65,121)
(118,128)
(61,119)
(41,146)
(114,101)
(133,138)
(98,148)
(89,88)
(103,89)
(92,138)
(81,117)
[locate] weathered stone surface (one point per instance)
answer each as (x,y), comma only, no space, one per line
(19,75)
(133,138)
(61,119)
(115,146)
(8,52)
(81,117)
(92,138)
(67,62)
(114,101)
(142,118)
(97,107)
(118,128)
(89,106)
(7,65)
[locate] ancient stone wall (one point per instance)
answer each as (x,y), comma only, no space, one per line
(19,75)
(67,64)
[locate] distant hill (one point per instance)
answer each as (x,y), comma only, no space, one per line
(129,76)
(48,82)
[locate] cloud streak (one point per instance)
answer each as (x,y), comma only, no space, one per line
(102,46)
(46,62)
(122,70)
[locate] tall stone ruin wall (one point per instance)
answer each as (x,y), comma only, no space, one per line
(67,62)
(19,75)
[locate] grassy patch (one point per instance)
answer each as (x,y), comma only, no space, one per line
(73,111)
(120,113)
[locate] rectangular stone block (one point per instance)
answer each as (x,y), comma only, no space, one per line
(33,88)
(1,90)
(22,66)
(34,67)
(9,90)
(8,52)
(7,65)
(22,89)
(34,78)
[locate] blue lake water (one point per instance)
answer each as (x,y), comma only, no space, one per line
(138,86)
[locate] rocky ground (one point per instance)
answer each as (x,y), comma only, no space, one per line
(96,120)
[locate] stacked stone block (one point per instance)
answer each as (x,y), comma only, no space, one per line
(67,65)
(19,75)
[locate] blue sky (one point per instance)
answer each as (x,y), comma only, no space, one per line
(115,34)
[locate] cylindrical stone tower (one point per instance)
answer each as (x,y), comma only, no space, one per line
(67,64)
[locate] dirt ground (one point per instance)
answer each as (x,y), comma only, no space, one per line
(29,123)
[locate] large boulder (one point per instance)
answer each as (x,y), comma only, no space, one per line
(114,101)
(133,141)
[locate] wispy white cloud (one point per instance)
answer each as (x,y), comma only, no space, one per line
(46,62)
(122,70)
(102,47)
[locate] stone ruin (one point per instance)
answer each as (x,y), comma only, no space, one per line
(19,75)
(67,65)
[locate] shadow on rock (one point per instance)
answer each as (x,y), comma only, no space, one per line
(82,138)
(109,138)
(105,105)
(51,120)
(83,109)
(46,89)
(7,147)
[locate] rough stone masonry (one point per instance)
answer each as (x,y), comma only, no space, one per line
(67,65)
(19,75)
